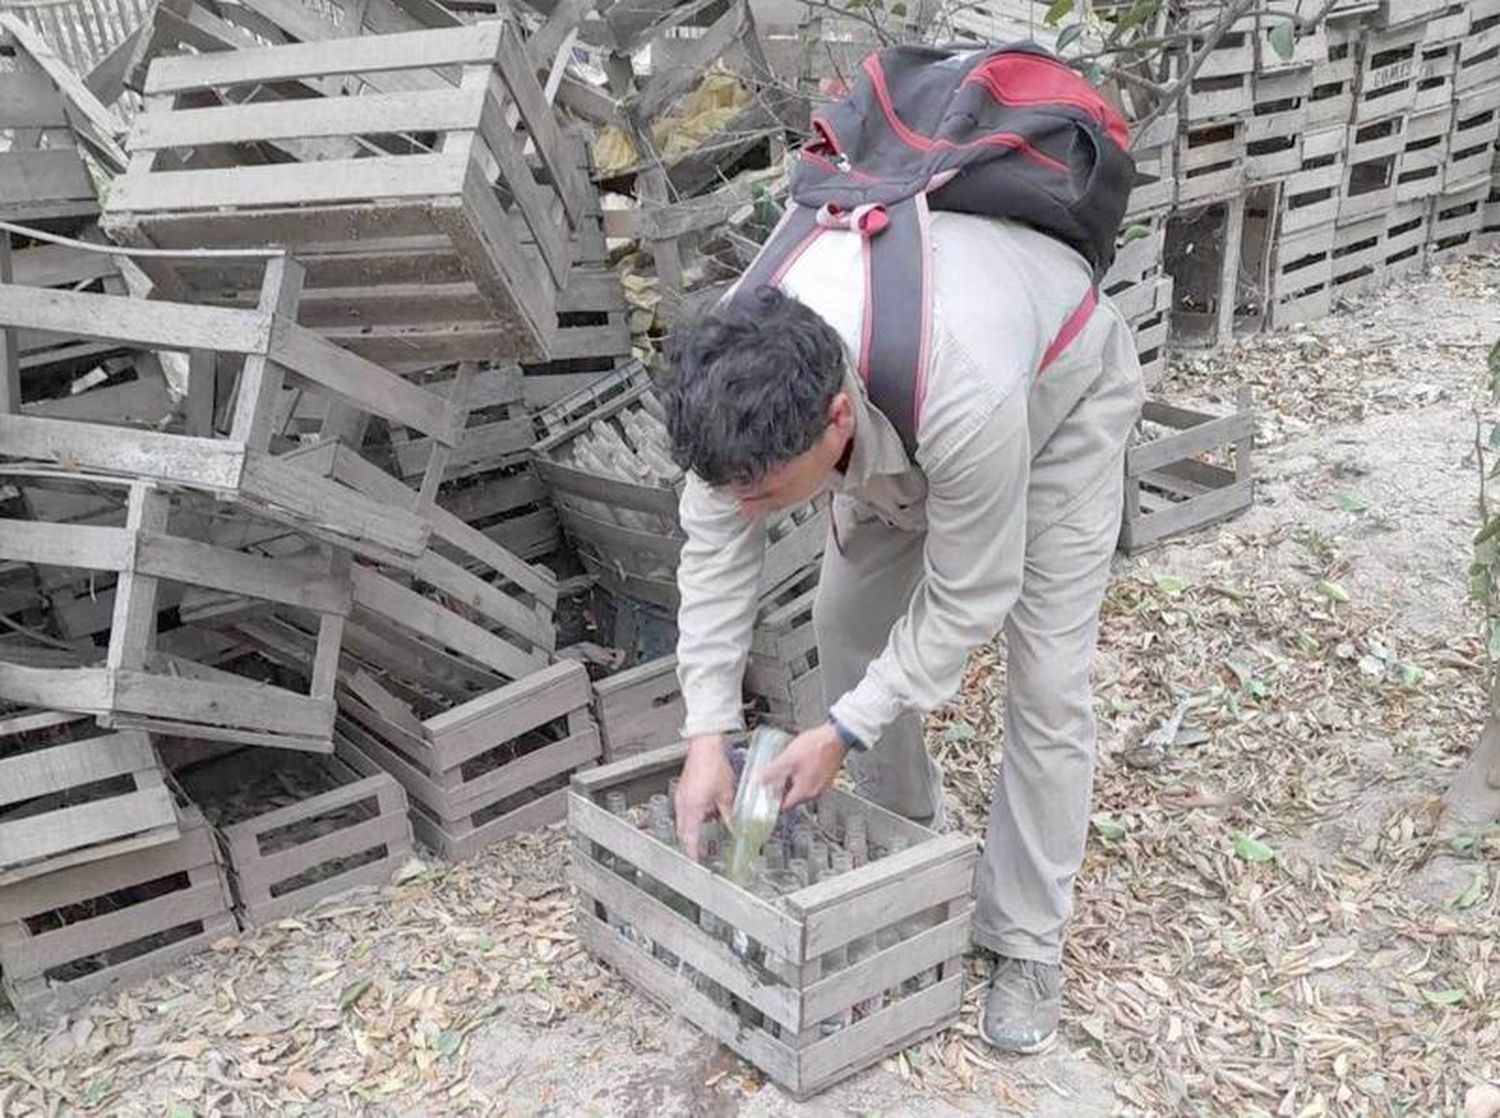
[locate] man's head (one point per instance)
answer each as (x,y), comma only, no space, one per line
(755,402)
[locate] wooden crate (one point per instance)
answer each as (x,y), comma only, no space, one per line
(87,930)
(1221,89)
(484,769)
(782,679)
(1424,154)
(1476,128)
(1479,52)
(1332,99)
(1210,161)
(286,859)
(451,182)
(1273,134)
(1132,278)
(1369,181)
(639,708)
(1457,218)
(1170,489)
(269,353)
(1302,277)
(627,532)
(1358,262)
(784,996)
(53,356)
(43,177)
(1489,226)
(1155,186)
(1435,74)
(1311,195)
(1405,239)
(1385,81)
(1152,333)
(140,684)
(72,793)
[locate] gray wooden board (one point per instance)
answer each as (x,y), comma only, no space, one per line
(484,722)
(528,817)
(406,51)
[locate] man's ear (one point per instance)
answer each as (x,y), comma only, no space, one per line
(841,413)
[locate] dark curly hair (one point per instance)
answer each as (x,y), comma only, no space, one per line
(748,387)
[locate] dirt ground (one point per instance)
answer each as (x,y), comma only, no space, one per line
(1265,924)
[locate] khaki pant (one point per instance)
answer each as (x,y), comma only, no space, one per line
(1040,809)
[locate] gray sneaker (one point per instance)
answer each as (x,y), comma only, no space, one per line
(1021,1006)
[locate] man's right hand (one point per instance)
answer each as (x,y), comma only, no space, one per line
(705,790)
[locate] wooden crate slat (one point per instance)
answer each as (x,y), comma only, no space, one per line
(44,951)
(411,50)
(516,776)
(434,110)
(385,829)
(397,177)
(872,1039)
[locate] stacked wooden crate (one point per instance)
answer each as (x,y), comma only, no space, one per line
(1136,281)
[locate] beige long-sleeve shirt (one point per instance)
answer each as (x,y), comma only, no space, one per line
(997,460)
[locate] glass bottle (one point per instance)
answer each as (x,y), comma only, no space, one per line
(833,962)
(616,804)
(802,838)
(885,939)
(840,862)
(756,804)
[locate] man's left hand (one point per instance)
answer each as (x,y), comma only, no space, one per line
(805,769)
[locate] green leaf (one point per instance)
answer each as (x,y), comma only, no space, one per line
(448,1042)
(1108,828)
(1069,34)
(1256,688)
(1169,584)
(1094,72)
(352,993)
(1495,370)
(96,1091)
(1351,502)
(958,732)
(1445,997)
(1495,437)
(1492,646)
(1056,12)
(1134,233)
(1475,892)
(1251,849)
(181,1110)
(1411,675)
(1490,530)
(1283,41)
(1333,591)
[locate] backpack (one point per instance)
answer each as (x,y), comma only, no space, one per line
(1010,132)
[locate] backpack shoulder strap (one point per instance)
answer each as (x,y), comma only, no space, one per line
(898,316)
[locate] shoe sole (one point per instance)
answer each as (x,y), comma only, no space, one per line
(1012,1050)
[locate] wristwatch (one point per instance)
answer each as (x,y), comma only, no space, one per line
(846,735)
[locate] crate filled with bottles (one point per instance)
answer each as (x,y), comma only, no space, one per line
(839,943)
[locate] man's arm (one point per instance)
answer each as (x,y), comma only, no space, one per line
(718,578)
(974,558)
